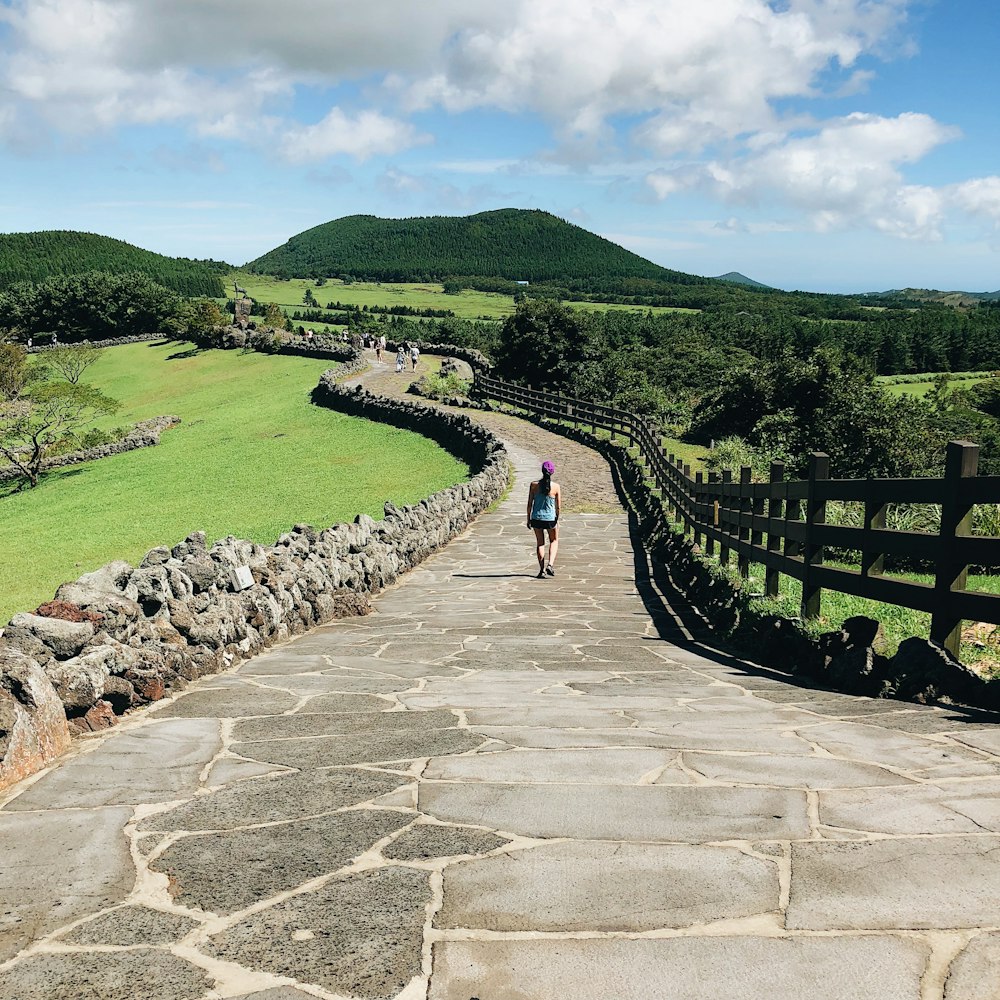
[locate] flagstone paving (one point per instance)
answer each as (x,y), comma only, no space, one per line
(505,788)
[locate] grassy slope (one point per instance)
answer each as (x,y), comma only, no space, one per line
(252,457)
(468,304)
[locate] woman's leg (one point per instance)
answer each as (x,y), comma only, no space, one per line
(553,544)
(540,548)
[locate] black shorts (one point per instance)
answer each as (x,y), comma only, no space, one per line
(545,525)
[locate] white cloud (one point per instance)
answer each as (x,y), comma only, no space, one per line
(365,134)
(697,71)
(979,198)
(702,88)
(845,174)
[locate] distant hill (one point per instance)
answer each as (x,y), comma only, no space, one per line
(515,244)
(741,279)
(933,295)
(37,256)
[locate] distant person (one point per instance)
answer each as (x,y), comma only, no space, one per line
(309,336)
(55,340)
(30,341)
(401,358)
(378,350)
(544,498)
(414,356)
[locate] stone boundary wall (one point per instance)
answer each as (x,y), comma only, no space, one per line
(351,359)
(110,342)
(123,636)
(850,659)
(144,434)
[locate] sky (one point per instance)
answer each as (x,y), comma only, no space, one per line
(825,145)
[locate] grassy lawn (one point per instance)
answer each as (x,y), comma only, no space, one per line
(252,457)
(962,380)
(468,304)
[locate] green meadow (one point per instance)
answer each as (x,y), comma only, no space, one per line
(251,458)
(467,304)
(920,385)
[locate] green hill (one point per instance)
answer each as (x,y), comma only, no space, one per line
(514,244)
(741,279)
(933,295)
(37,256)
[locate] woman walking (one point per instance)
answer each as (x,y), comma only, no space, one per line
(400,358)
(544,497)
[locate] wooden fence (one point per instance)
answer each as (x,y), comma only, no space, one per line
(781,524)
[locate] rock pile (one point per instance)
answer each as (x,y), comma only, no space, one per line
(123,636)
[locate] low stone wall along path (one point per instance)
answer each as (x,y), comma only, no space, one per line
(505,788)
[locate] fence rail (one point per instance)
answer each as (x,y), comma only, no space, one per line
(782,524)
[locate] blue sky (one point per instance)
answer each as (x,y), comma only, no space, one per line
(830,145)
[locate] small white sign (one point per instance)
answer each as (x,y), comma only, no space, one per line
(241,577)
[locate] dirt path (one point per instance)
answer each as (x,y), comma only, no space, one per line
(583,473)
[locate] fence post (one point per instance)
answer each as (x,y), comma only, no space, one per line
(772,578)
(872,558)
(727,477)
(812,554)
(713,477)
(951,574)
(699,478)
(743,560)
(686,495)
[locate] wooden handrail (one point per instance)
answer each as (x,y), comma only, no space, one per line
(781,524)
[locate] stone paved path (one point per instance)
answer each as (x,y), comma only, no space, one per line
(510,789)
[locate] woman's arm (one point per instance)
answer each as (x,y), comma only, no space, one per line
(558,498)
(531,496)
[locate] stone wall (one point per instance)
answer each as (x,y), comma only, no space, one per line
(144,434)
(351,359)
(123,636)
(110,342)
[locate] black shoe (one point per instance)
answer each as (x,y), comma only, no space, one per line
(541,575)
(550,569)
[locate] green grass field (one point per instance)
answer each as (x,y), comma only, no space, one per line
(467,304)
(961,380)
(252,457)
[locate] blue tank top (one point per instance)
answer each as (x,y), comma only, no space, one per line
(544,507)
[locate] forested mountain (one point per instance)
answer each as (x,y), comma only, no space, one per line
(37,256)
(515,244)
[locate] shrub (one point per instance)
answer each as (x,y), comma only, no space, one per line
(437,386)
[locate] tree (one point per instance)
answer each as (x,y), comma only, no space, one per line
(199,317)
(544,343)
(72,361)
(44,414)
(16,374)
(275,316)
(791,407)
(309,299)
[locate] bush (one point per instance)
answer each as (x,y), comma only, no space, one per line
(438,386)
